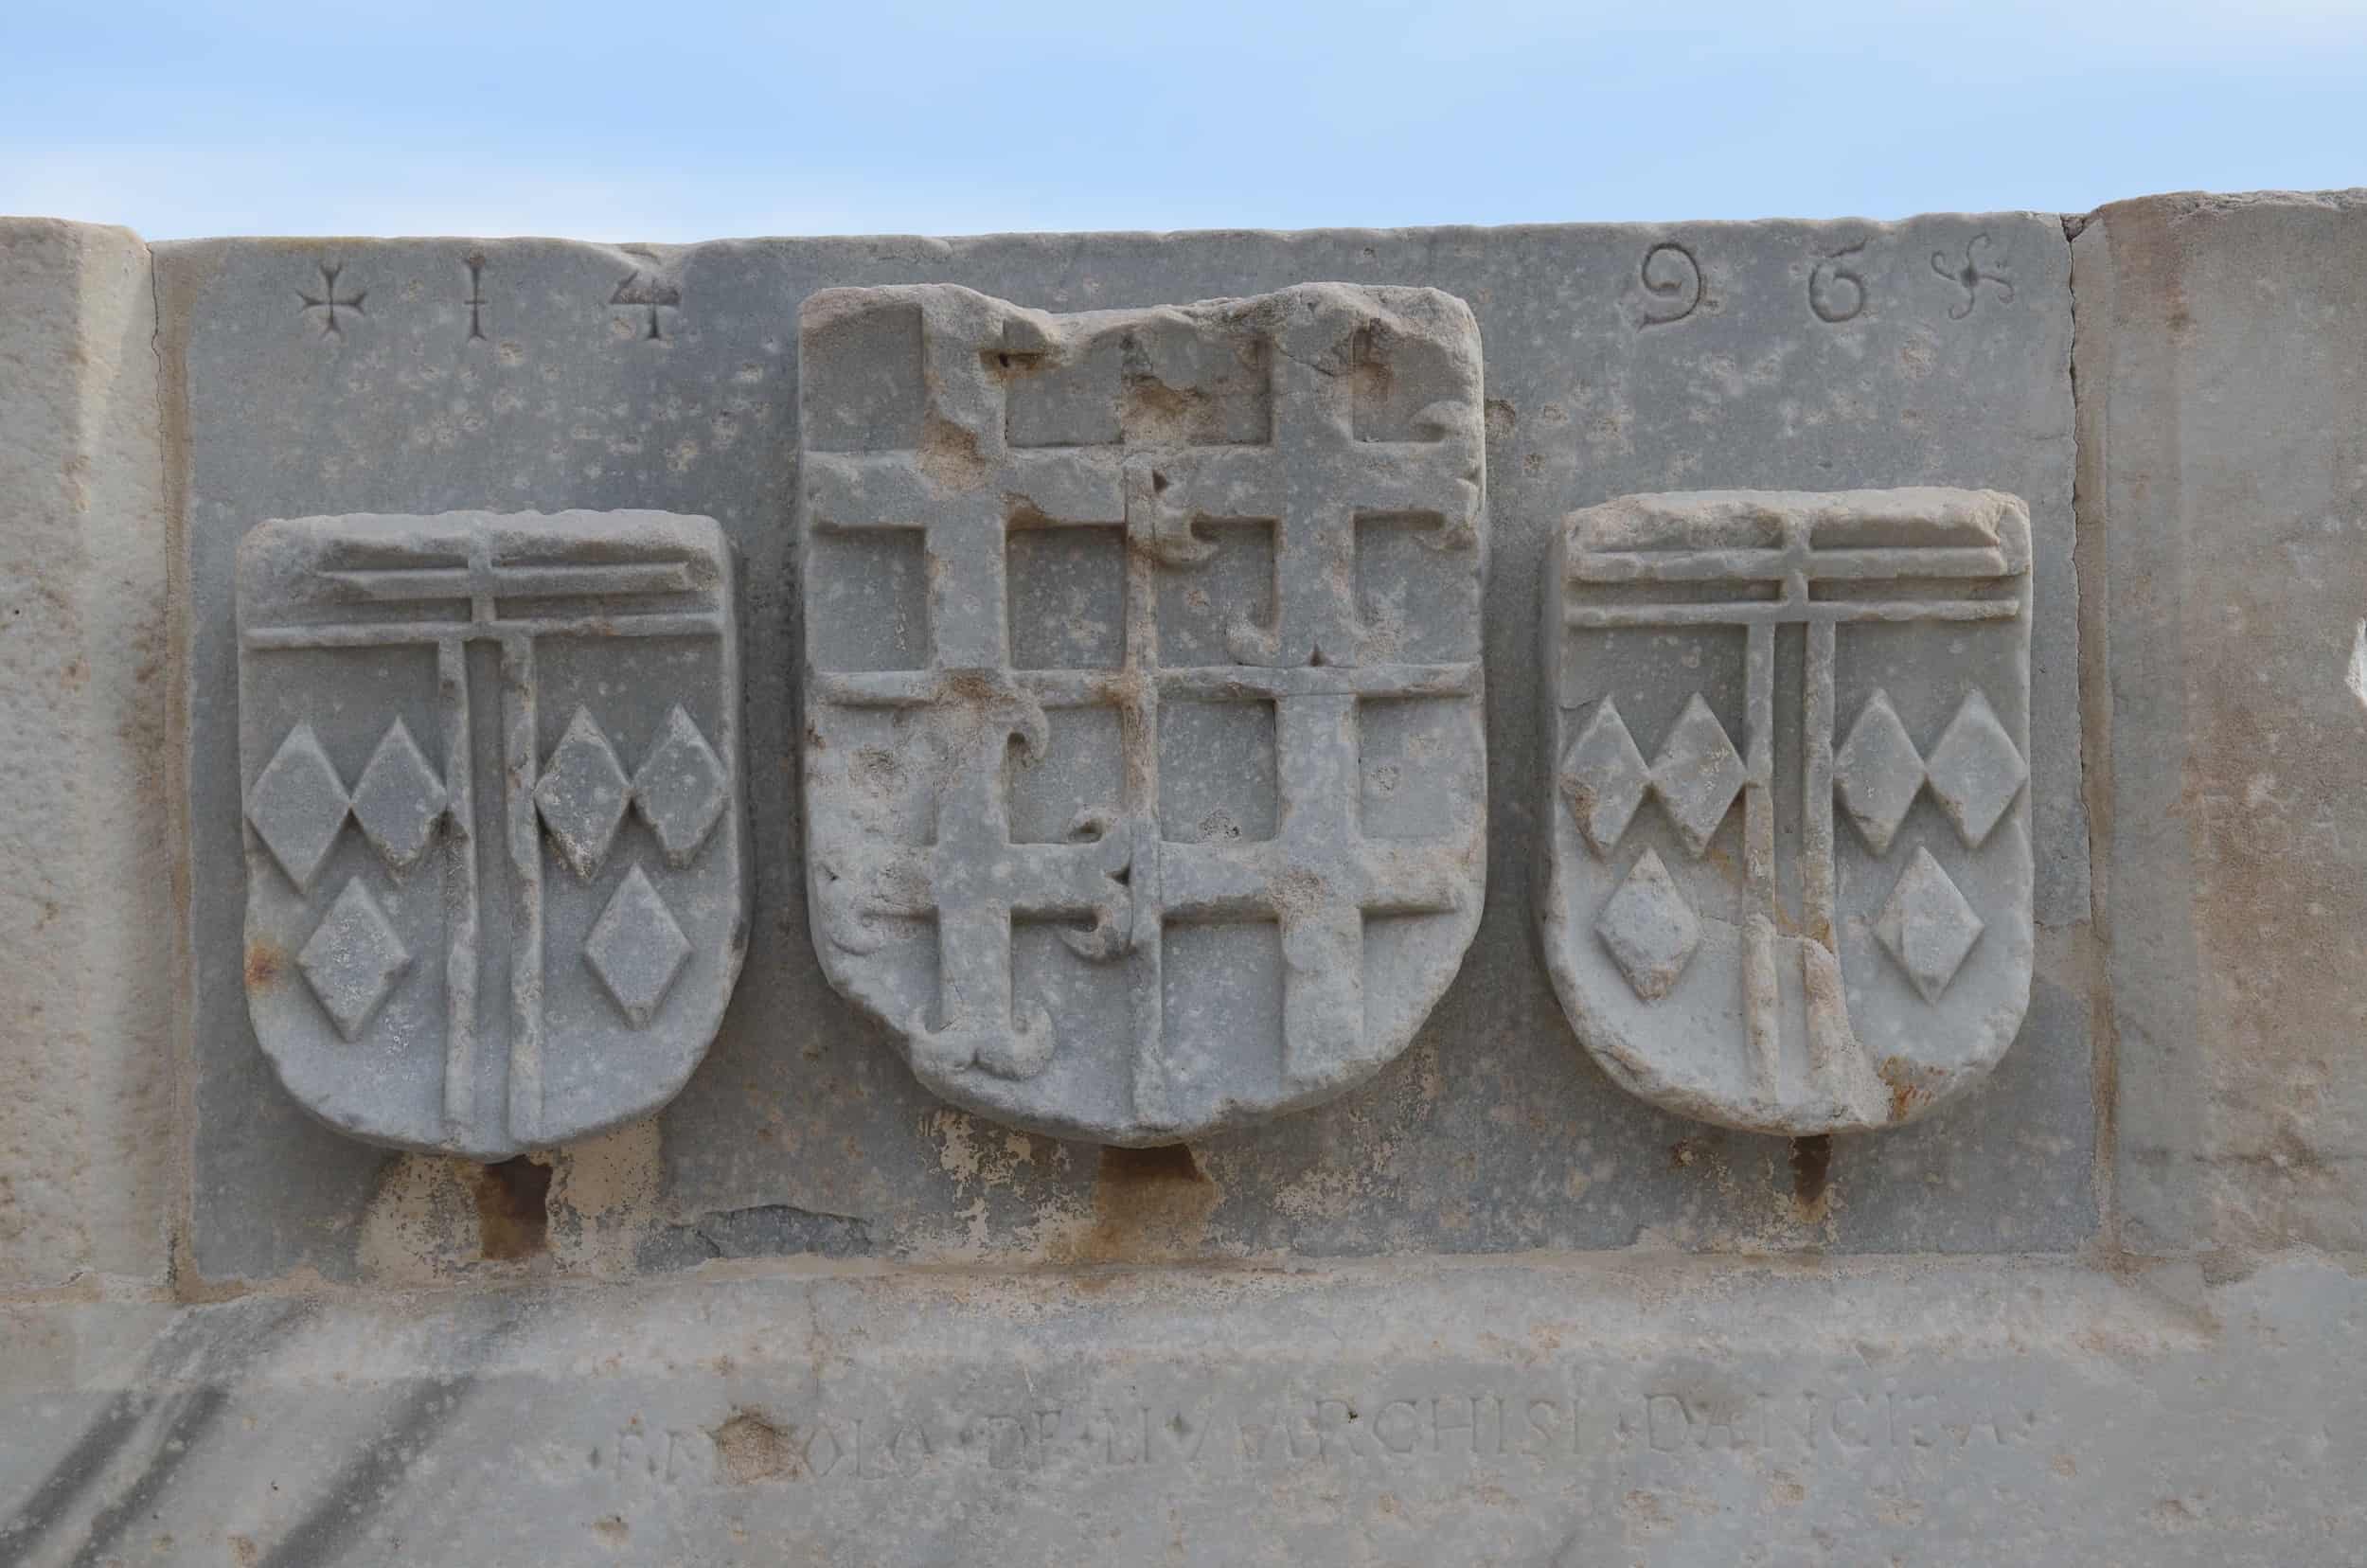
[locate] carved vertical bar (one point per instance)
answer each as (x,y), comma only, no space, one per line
(1148,1087)
(1834,1051)
(525,843)
(1315,538)
(975,935)
(963,447)
(461,893)
(1322,995)
(1816,791)
(1762,986)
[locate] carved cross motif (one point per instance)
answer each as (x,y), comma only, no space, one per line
(1971,272)
(1162,459)
(328,301)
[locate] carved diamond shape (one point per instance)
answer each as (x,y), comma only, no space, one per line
(679,789)
(1650,928)
(297,805)
(636,949)
(1975,770)
(1878,773)
(353,960)
(1698,775)
(399,799)
(1605,777)
(1927,925)
(582,795)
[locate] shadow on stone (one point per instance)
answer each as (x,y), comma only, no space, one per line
(513,1221)
(761,1230)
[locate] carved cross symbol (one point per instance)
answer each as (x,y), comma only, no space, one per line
(1317,880)
(1969,273)
(976,881)
(328,301)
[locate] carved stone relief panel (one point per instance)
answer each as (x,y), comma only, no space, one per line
(1789,875)
(1144,762)
(491,787)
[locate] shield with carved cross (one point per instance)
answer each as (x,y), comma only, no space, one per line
(1145,774)
(496,881)
(1788,813)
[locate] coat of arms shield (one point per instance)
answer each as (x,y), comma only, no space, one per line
(1145,770)
(490,770)
(1786,814)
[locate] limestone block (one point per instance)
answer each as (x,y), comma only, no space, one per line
(85,824)
(496,890)
(2222,370)
(1792,660)
(1146,786)
(510,376)
(1659,1413)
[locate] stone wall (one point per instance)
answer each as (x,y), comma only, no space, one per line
(1483,1305)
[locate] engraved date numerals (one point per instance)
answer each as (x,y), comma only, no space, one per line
(1671,276)
(1837,289)
(474,261)
(646,292)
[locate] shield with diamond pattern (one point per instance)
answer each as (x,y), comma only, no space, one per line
(496,881)
(1788,822)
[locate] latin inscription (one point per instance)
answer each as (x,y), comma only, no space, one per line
(1412,1427)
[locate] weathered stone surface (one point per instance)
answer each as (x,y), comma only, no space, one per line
(1655,1412)
(2223,421)
(1786,978)
(422,701)
(86,831)
(1492,1131)
(498,1390)
(1155,804)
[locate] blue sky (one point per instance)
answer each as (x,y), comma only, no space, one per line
(680,121)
